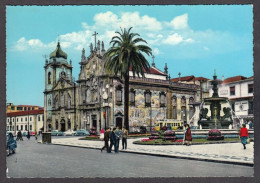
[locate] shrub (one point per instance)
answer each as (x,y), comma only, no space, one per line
(169,133)
(154,137)
(170,138)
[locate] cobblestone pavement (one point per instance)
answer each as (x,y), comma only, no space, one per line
(227,152)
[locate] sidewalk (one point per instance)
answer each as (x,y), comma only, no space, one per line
(232,153)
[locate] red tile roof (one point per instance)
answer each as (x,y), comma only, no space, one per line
(185,78)
(233,79)
(200,79)
(153,70)
(24,113)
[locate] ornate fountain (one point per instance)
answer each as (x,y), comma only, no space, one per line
(215,112)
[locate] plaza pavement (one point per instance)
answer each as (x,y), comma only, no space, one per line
(232,153)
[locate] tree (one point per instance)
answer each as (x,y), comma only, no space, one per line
(127,52)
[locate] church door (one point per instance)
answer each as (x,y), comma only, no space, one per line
(119,122)
(62,125)
(94,121)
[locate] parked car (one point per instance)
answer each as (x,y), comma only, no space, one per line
(56,133)
(82,132)
(26,132)
(69,132)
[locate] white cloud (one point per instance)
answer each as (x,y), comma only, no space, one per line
(173,33)
(175,39)
(180,22)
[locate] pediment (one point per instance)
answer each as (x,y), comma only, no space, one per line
(62,84)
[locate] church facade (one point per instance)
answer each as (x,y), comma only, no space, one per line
(96,99)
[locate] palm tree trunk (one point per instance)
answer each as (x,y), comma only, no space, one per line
(126,102)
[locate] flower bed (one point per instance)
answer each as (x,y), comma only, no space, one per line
(146,140)
(215,134)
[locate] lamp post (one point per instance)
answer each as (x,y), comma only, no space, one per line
(28,124)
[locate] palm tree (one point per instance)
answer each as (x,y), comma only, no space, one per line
(127,52)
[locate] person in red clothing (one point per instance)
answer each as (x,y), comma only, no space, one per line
(188,137)
(243,135)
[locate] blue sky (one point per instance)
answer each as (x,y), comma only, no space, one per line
(193,40)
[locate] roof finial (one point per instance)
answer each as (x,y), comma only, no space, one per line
(179,77)
(166,69)
(153,64)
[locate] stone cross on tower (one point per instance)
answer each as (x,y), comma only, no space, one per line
(153,64)
(179,77)
(95,35)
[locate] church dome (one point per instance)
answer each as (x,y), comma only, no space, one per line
(58,52)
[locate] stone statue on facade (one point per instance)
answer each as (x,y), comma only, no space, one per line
(98,45)
(91,47)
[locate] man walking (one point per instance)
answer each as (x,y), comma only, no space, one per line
(106,139)
(112,140)
(118,134)
(19,135)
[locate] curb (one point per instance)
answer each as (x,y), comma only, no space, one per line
(167,156)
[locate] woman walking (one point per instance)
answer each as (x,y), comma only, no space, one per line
(188,137)
(11,144)
(243,135)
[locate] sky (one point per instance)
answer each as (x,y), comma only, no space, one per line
(191,39)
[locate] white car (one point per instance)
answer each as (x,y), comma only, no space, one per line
(69,132)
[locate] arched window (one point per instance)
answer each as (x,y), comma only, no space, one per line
(119,95)
(69,101)
(49,78)
(191,100)
(132,97)
(62,100)
(56,102)
(147,97)
(183,101)
(49,101)
(162,99)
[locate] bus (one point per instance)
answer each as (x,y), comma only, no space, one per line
(173,124)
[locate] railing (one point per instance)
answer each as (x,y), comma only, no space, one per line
(174,84)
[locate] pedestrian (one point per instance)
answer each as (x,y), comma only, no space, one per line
(188,137)
(19,135)
(164,128)
(11,144)
(243,135)
(106,139)
(36,136)
(118,134)
(112,140)
(28,136)
(250,124)
(124,138)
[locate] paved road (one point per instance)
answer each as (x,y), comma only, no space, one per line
(41,160)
